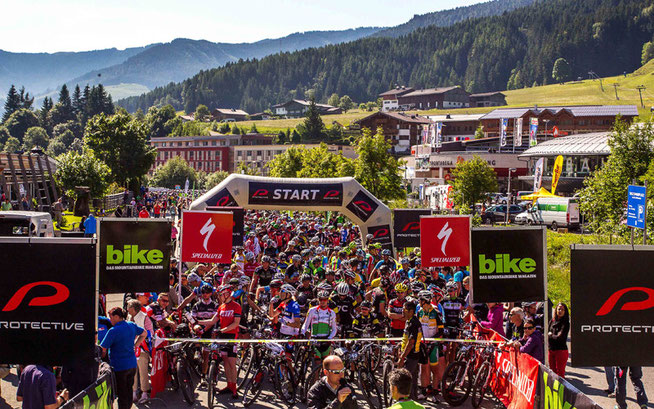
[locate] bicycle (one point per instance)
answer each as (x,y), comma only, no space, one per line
(274,364)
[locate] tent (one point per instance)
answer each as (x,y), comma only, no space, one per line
(542,192)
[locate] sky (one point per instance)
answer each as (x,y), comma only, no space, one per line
(80,25)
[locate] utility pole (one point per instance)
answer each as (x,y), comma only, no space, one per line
(615,87)
(640,89)
(508,198)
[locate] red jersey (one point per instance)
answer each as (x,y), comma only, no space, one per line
(227,313)
(248,269)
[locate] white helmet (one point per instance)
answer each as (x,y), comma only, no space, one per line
(287,288)
(343,289)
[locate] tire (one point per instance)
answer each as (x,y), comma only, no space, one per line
(374,358)
(370,389)
(555,226)
(244,366)
(480,385)
(254,386)
(455,384)
(285,383)
(211,383)
(309,380)
(185,381)
(387,368)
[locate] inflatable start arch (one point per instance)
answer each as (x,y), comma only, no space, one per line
(345,195)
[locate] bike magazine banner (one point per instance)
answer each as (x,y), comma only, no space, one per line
(445,241)
(554,392)
(134,255)
(406,226)
(238,222)
(206,236)
(267,193)
(508,264)
(47,300)
(612,290)
(99,395)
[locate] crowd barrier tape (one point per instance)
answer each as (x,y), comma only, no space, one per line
(315,340)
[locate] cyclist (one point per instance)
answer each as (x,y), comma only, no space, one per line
(432,327)
(411,344)
(263,275)
(343,304)
(365,323)
(396,311)
(204,310)
(321,323)
(294,271)
(288,312)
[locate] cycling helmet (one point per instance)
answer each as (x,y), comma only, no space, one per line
(265,259)
(279,276)
(296,257)
(425,295)
(451,285)
(305,252)
(316,260)
(350,274)
(305,277)
(315,239)
(361,253)
(337,248)
(366,304)
(249,255)
(276,283)
(386,252)
(225,288)
(395,278)
(369,236)
(287,288)
(235,281)
(417,286)
(437,292)
(193,277)
(343,289)
(244,281)
(283,256)
(323,294)
(206,289)
(404,260)
(401,288)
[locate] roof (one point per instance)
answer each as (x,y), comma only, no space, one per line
(230,111)
(576,111)
(213,137)
(455,118)
(302,102)
(396,91)
(596,143)
(415,119)
(486,94)
(430,91)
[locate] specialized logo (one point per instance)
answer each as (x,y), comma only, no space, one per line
(206,231)
(444,235)
(411,226)
(132,255)
(612,301)
(61,294)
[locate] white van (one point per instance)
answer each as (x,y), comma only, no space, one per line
(552,211)
(16,223)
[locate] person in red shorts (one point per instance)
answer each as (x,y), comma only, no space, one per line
(229,317)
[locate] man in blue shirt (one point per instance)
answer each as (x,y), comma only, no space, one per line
(89,225)
(37,388)
(119,342)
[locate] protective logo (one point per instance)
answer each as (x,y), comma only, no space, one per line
(62,293)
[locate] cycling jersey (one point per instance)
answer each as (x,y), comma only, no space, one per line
(321,322)
(250,268)
(290,310)
(343,307)
(407,404)
(204,310)
(265,275)
(366,325)
(430,321)
(378,297)
(396,306)
(227,313)
(452,309)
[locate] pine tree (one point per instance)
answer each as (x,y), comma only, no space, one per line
(78,105)
(313,128)
(12,103)
(25,100)
(64,97)
(43,112)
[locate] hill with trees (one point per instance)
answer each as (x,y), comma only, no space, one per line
(515,50)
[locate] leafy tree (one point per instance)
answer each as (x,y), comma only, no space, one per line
(287,164)
(561,71)
(235,130)
(76,146)
(346,103)
(280,139)
(201,113)
(376,169)
(472,180)
(334,100)
(244,169)
(4,134)
(318,162)
(71,126)
(82,169)
(479,132)
(190,128)
(362,106)
(12,103)
(214,179)
(35,137)
(648,52)
(59,114)
(371,106)
(224,128)
(56,147)
(157,120)
(174,172)
(20,121)
(295,137)
(313,128)
(12,145)
(122,144)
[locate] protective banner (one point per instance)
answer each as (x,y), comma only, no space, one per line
(324,194)
(362,206)
(238,225)
(134,255)
(445,241)
(538,174)
(514,381)
(99,395)
(508,264)
(517,132)
(406,226)
(223,198)
(554,392)
(47,301)
(504,124)
(533,131)
(382,235)
(206,236)
(612,290)
(556,172)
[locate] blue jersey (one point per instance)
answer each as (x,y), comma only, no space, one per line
(290,310)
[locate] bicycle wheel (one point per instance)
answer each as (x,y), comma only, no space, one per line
(455,384)
(211,383)
(254,386)
(285,382)
(387,368)
(244,365)
(480,385)
(309,380)
(370,389)
(374,357)
(185,381)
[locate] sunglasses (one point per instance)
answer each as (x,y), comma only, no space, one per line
(529,327)
(336,371)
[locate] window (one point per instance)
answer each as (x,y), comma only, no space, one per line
(205,143)
(163,143)
(196,143)
(179,144)
(258,153)
(213,143)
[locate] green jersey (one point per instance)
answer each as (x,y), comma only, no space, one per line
(407,404)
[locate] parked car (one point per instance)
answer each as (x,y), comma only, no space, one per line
(554,212)
(26,224)
(497,213)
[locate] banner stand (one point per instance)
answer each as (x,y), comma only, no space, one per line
(546,307)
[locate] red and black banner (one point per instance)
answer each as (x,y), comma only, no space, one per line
(406,226)
(362,205)
(47,301)
(310,194)
(612,290)
(382,235)
(134,255)
(222,199)
(238,226)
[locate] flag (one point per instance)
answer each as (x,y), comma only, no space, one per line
(533,131)
(439,134)
(504,123)
(556,172)
(186,187)
(538,174)
(517,132)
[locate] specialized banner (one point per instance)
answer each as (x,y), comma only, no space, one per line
(406,226)
(445,241)
(134,255)
(206,236)
(612,290)
(47,301)
(514,381)
(267,193)
(238,222)
(508,264)
(554,392)
(382,235)
(362,205)
(504,123)
(538,174)
(517,132)
(556,172)
(99,395)
(533,132)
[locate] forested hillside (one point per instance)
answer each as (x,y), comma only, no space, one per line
(517,49)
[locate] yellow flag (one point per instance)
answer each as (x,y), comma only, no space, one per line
(556,172)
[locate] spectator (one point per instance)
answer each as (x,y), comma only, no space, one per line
(635,374)
(532,342)
(410,350)
(89,225)
(330,391)
(119,343)
(558,339)
(25,204)
(515,324)
(37,388)
(495,318)
(6,205)
(139,317)
(144,214)
(401,381)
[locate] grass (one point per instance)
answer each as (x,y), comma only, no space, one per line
(121,91)
(276,125)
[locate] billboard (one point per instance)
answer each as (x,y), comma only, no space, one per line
(134,255)
(316,194)
(382,235)
(206,236)
(406,226)
(508,264)
(238,224)
(612,290)
(445,241)
(362,205)
(47,301)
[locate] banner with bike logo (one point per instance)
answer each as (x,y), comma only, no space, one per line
(134,255)
(99,395)
(508,264)
(206,236)
(406,226)
(382,235)
(554,392)
(612,290)
(47,300)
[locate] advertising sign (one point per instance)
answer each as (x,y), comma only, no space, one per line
(514,383)
(504,123)
(98,395)
(439,134)
(222,199)
(207,236)
(319,194)
(508,264)
(538,174)
(47,301)
(406,226)
(445,241)
(612,290)
(362,205)
(556,172)
(134,255)
(382,235)
(517,132)
(533,132)
(238,224)
(636,204)
(555,392)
